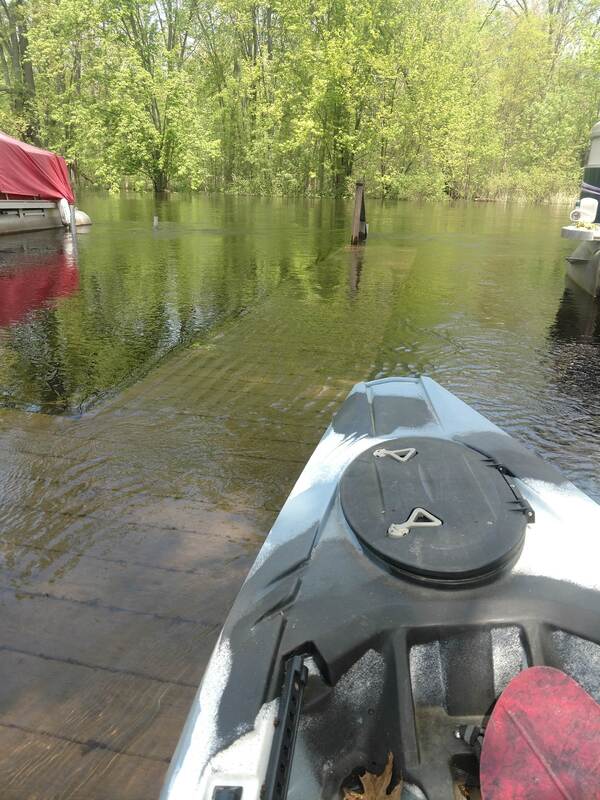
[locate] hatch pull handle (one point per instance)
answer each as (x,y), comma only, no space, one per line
(419,518)
(399,455)
(288,717)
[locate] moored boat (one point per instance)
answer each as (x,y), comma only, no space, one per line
(583,265)
(35,191)
(423,562)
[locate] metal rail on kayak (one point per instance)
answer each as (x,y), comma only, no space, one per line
(288,717)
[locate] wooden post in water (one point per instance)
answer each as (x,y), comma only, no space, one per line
(359,220)
(155,222)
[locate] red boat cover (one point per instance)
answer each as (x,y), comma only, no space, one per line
(542,741)
(27,171)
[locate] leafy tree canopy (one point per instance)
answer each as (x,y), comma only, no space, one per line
(423,98)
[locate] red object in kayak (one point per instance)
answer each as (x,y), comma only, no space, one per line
(542,741)
(30,172)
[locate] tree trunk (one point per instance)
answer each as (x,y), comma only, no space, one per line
(160,181)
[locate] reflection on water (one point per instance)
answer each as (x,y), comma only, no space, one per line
(37,270)
(472,295)
(143,291)
(574,358)
(34,270)
(356,258)
(577,318)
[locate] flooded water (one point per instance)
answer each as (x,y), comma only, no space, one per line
(473,295)
(161,392)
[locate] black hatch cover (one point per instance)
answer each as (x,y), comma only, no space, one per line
(434,508)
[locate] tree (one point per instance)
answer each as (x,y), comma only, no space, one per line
(18,85)
(422,99)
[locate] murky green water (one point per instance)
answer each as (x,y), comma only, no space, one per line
(473,295)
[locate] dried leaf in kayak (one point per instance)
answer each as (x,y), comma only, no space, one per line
(375,787)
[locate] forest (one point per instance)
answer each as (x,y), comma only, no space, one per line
(486,99)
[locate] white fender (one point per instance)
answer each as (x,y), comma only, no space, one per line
(81,218)
(65,211)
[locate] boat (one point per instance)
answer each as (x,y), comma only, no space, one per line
(583,265)
(423,562)
(35,191)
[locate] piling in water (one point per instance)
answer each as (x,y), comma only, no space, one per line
(359,219)
(73,222)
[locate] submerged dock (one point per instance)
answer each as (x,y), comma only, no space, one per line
(127,534)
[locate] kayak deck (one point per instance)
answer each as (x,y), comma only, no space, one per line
(414,586)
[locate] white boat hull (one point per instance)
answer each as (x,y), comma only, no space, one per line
(20,216)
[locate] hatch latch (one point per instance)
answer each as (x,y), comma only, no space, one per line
(402,456)
(419,518)
(520,502)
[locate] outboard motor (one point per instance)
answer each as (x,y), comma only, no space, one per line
(583,266)
(585,210)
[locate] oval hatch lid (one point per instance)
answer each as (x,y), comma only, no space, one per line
(434,508)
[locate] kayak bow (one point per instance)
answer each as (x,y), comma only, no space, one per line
(423,559)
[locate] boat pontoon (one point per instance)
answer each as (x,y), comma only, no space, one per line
(35,192)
